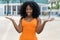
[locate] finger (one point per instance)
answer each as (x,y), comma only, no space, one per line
(6,17)
(52,19)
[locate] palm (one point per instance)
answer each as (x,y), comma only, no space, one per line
(9,18)
(50,19)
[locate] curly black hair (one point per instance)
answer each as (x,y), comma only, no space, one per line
(35,7)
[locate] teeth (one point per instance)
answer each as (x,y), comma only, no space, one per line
(28,13)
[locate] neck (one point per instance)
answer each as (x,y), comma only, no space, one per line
(29,16)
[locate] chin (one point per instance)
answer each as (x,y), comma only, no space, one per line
(29,15)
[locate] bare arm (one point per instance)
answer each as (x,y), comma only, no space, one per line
(17,27)
(40,25)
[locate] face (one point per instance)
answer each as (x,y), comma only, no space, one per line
(29,10)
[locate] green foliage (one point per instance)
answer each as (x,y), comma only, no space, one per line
(55,7)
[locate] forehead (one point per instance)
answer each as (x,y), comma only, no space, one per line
(28,6)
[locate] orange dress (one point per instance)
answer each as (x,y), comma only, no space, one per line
(29,30)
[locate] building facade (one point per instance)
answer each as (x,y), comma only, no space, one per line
(11,7)
(21,1)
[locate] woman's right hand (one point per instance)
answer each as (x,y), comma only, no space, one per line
(9,18)
(17,27)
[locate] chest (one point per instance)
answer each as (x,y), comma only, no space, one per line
(32,23)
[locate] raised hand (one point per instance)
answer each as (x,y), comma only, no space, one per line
(9,18)
(50,19)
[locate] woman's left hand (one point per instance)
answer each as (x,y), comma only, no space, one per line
(50,19)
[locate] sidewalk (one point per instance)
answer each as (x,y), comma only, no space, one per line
(51,30)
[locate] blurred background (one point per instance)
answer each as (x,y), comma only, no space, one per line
(48,9)
(11,7)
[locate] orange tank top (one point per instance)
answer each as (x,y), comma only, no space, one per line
(29,30)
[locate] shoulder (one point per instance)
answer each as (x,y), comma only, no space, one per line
(20,19)
(38,19)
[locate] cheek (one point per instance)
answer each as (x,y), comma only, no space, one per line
(29,11)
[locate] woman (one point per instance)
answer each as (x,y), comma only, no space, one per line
(30,23)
